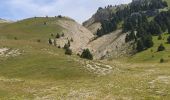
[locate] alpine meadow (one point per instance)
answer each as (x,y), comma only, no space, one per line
(122,52)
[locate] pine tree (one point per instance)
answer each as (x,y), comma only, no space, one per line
(154,28)
(87,54)
(127,38)
(169,29)
(58,35)
(147,41)
(99,32)
(140,47)
(50,41)
(132,35)
(168,40)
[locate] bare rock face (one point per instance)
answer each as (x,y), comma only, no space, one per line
(94,27)
(94,23)
(111,45)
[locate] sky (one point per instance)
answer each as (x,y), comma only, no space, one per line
(80,10)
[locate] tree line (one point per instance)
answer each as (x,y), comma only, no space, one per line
(120,15)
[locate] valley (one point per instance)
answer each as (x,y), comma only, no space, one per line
(34,64)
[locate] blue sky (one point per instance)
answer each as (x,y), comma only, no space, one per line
(80,10)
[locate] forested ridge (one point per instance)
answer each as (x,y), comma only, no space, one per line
(141,18)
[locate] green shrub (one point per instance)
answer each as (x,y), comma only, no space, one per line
(57,36)
(160,37)
(68,51)
(62,34)
(15,38)
(71,40)
(87,54)
(50,41)
(162,60)
(168,40)
(161,48)
(39,40)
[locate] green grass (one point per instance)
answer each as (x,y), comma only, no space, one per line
(149,56)
(38,62)
(32,29)
(168,2)
(45,72)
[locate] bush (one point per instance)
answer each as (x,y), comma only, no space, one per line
(50,41)
(162,60)
(59,16)
(161,48)
(52,35)
(45,23)
(160,37)
(58,35)
(39,40)
(62,35)
(68,51)
(168,40)
(87,54)
(15,38)
(169,29)
(153,56)
(66,46)
(71,40)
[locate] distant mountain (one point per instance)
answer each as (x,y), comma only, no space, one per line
(5,21)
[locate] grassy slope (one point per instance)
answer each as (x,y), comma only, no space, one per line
(44,72)
(38,59)
(149,56)
(168,2)
(31,29)
(146,56)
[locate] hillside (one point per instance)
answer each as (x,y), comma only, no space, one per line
(38,71)
(42,28)
(31,66)
(110,46)
(108,12)
(126,66)
(151,55)
(128,18)
(94,23)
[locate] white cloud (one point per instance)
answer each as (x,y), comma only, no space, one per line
(80,10)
